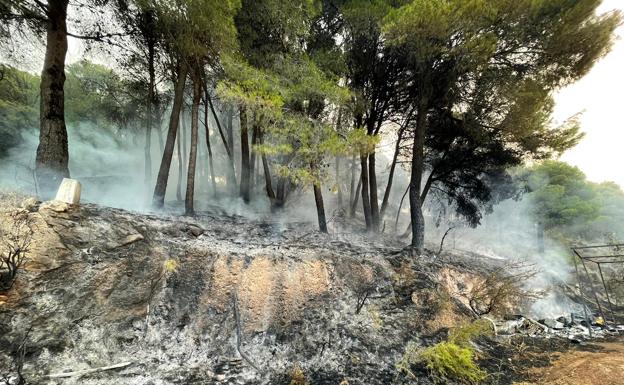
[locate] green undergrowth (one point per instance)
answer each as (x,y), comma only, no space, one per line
(451,360)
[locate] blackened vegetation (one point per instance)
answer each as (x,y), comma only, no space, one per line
(15,245)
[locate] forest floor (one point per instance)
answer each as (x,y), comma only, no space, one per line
(592,364)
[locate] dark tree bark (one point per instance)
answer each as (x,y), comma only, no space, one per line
(386,197)
(268,181)
(396,220)
(210,160)
(165,164)
(366,204)
(418,161)
(227,144)
(320,208)
(52,161)
(352,192)
(192,163)
(230,128)
(356,198)
(374,202)
(245,172)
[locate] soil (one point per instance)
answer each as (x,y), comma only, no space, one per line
(592,364)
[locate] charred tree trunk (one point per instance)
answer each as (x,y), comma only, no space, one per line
(52,161)
(352,192)
(268,182)
(245,172)
(366,203)
(396,220)
(356,198)
(192,159)
(418,161)
(210,160)
(395,157)
(165,164)
(320,208)
(280,195)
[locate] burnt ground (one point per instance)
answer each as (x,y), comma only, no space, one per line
(218,299)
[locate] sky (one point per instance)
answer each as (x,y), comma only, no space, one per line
(599,97)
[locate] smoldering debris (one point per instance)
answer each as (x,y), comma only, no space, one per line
(575,327)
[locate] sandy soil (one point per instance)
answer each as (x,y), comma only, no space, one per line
(603,364)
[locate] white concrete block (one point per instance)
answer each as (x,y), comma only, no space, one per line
(69,191)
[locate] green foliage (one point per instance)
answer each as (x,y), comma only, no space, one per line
(19,93)
(96,94)
(463,335)
(571,208)
(449,361)
(198,30)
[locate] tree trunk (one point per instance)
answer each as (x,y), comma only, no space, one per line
(165,164)
(396,220)
(366,206)
(180,169)
(150,103)
(254,141)
(320,208)
(356,198)
(210,160)
(181,154)
(280,195)
(418,160)
(352,193)
(245,175)
(192,163)
(52,161)
(227,144)
(184,133)
(267,174)
(338,182)
(374,202)
(161,142)
(230,128)
(386,197)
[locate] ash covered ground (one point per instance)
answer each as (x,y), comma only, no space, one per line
(221,299)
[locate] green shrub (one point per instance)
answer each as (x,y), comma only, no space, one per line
(449,361)
(462,336)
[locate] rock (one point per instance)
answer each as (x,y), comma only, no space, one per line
(30,204)
(195,230)
(56,206)
(129,239)
(551,323)
(69,191)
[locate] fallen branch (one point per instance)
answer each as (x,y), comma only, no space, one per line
(89,371)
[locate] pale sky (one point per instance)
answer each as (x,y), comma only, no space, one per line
(599,96)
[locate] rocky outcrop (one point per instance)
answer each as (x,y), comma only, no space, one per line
(213,299)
